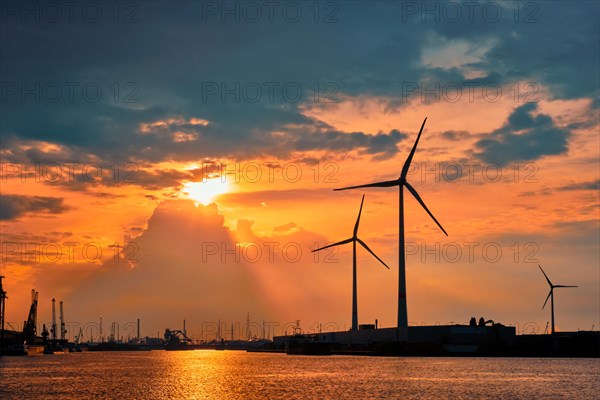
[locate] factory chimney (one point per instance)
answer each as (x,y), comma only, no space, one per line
(62,322)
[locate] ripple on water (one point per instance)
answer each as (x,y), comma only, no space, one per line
(239,375)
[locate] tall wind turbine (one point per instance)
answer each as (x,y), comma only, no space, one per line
(401,183)
(551,295)
(354,239)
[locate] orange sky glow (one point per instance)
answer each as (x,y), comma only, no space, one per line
(178,195)
(525,212)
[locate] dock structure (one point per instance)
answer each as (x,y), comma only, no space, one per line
(425,340)
(494,340)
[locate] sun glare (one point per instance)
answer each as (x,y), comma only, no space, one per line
(205,192)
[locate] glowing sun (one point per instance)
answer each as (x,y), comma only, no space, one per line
(205,191)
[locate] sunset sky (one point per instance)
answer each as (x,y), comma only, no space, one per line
(196,149)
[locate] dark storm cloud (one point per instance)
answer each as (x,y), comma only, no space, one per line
(553,43)
(523,137)
(173,70)
(170,62)
(15,206)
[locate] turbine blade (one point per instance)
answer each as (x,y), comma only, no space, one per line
(414,193)
(549,294)
(334,244)
(370,251)
(564,286)
(548,279)
(377,184)
(412,152)
(358,219)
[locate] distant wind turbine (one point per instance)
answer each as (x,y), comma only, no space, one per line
(551,295)
(354,239)
(401,183)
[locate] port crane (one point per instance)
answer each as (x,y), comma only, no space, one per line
(176,336)
(79,336)
(30,326)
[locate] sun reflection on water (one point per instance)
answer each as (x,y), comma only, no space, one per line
(209,374)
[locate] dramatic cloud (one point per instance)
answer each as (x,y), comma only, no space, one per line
(523,137)
(187,263)
(216,104)
(15,206)
(175,88)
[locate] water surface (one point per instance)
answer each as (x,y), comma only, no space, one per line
(208,374)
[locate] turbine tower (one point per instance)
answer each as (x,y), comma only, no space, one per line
(551,295)
(3,298)
(354,239)
(401,183)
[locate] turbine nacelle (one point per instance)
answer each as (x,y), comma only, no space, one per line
(552,286)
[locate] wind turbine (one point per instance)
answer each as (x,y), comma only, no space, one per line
(354,239)
(402,183)
(551,295)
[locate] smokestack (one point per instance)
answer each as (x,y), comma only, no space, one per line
(53,320)
(62,322)
(248,337)
(101,338)
(34,299)
(184,331)
(138,329)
